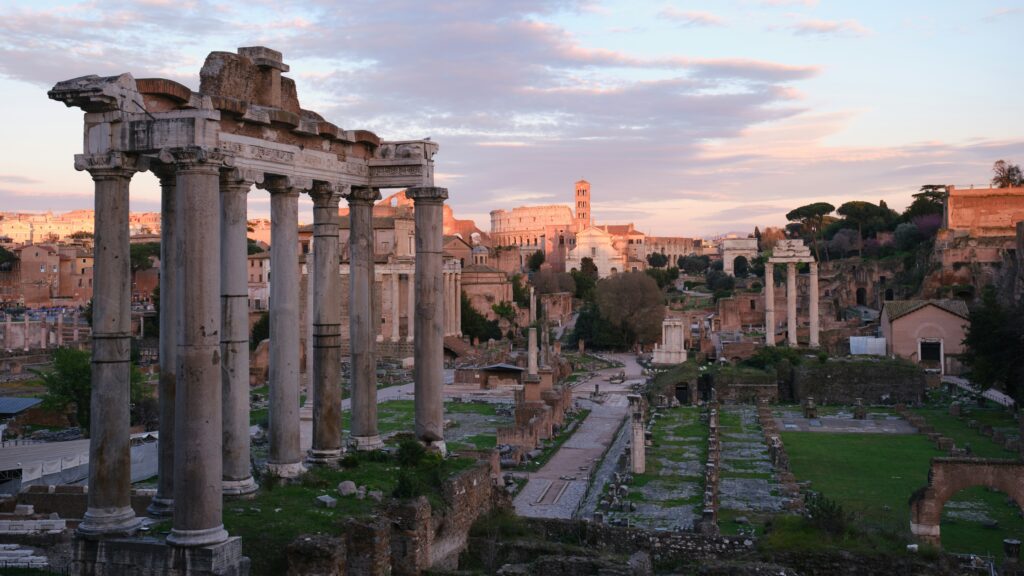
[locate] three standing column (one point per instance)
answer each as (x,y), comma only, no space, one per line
(198,463)
(234,341)
(791,303)
(326,381)
(769,304)
(285,458)
(170,301)
(362,326)
(428,352)
(109,510)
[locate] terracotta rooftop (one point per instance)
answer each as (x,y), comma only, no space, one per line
(899,308)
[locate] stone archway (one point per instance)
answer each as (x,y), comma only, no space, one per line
(740,266)
(948,476)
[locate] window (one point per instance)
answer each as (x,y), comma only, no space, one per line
(753,304)
(931,351)
(593,251)
(42,268)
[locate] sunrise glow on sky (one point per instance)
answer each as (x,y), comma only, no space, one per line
(688,118)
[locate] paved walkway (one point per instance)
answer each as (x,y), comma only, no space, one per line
(557,490)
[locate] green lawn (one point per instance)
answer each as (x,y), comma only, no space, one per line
(676,435)
(958,430)
(874,475)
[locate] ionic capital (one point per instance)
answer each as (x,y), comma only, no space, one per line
(196,157)
(242,179)
(427,194)
(290,185)
(362,195)
(111,165)
(327,195)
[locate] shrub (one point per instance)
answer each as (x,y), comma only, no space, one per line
(826,514)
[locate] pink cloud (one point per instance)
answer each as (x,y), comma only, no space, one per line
(691,17)
(830,28)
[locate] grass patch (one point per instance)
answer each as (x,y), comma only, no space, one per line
(278,514)
(873,476)
(958,430)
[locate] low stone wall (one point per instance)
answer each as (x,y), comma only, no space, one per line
(779,457)
(70,502)
(708,524)
(844,381)
(666,548)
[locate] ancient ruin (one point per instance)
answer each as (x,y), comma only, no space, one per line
(243,127)
(790,253)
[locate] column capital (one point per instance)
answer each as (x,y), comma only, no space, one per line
(326,194)
(196,157)
(427,194)
(362,194)
(111,164)
(240,178)
(288,185)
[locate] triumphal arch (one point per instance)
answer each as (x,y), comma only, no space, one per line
(244,128)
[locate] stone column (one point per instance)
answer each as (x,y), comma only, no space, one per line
(362,324)
(813,305)
(410,292)
(109,510)
(198,459)
(791,303)
(531,357)
(234,338)
(447,297)
(326,378)
(533,306)
(458,305)
(429,344)
(170,300)
(769,304)
(395,318)
(59,335)
(638,460)
(285,458)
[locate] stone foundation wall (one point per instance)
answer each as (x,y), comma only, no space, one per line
(665,548)
(70,502)
(842,382)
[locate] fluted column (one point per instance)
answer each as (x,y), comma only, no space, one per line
(394,307)
(531,358)
(234,340)
(326,381)
(362,324)
(198,446)
(170,300)
(410,293)
(109,510)
(813,312)
(791,303)
(429,343)
(769,304)
(285,458)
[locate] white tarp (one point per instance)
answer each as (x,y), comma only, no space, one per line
(867,345)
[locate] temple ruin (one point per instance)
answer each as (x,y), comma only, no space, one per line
(790,253)
(243,128)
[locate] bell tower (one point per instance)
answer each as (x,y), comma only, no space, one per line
(582,205)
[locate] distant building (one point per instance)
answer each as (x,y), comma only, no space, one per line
(928,332)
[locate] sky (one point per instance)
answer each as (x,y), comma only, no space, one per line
(687,118)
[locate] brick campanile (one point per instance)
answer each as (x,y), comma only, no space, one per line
(582,220)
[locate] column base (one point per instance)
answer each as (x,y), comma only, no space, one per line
(324,457)
(161,507)
(289,470)
(99,523)
(139,557)
(408,338)
(365,443)
(239,487)
(195,538)
(380,337)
